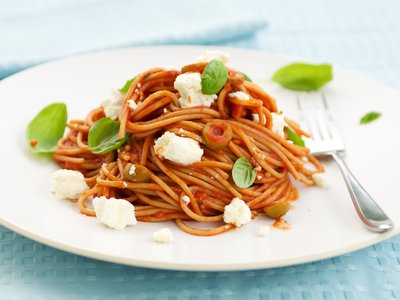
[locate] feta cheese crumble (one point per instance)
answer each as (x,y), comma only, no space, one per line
(214,54)
(113,104)
(114,213)
(237,213)
(240,95)
(319,179)
(189,87)
(132,104)
(263,231)
(186,199)
(256,118)
(163,235)
(278,124)
(132,170)
(180,150)
(68,184)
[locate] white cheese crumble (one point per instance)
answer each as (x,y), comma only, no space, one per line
(163,235)
(259,177)
(214,54)
(189,87)
(181,150)
(237,213)
(132,170)
(319,179)
(278,124)
(132,104)
(114,213)
(113,104)
(256,118)
(304,159)
(186,199)
(263,231)
(68,184)
(240,95)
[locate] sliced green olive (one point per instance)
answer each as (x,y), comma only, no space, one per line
(277,210)
(217,134)
(138,174)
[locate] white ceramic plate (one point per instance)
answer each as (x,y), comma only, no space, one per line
(324,222)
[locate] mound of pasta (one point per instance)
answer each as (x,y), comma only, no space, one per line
(202,143)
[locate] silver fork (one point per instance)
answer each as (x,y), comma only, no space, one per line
(326,140)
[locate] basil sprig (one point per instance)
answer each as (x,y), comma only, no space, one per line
(213,77)
(242,173)
(127,85)
(297,140)
(303,77)
(370,117)
(103,136)
(48,126)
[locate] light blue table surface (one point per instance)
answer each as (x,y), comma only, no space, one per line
(362,36)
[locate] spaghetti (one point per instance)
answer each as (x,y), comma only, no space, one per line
(208,183)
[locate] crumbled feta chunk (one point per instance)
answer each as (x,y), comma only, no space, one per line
(186,199)
(181,150)
(237,213)
(240,95)
(263,231)
(258,168)
(113,104)
(278,124)
(319,179)
(132,170)
(256,118)
(163,235)
(68,184)
(114,213)
(180,131)
(189,87)
(214,54)
(132,104)
(259,177)
(304,159)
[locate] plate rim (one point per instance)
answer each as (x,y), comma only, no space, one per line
(378,237)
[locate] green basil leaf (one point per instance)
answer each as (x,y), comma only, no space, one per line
(370,117)
(297,140)
(303,77)
(127,85)
(214,77)
(103,136)
(247,78)
(48,126)
(242,173)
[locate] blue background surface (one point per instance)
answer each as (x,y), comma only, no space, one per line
(363,36)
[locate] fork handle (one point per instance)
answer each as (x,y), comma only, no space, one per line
(367,209)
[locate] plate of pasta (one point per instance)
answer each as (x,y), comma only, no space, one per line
(188,158)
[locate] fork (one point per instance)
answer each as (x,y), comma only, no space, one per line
(326,140)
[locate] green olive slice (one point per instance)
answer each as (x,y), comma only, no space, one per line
(136,173)
(277,210)
(217,134)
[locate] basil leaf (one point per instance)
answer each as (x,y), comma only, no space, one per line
(370,117)
(103,136)
(242,173)
(213,78)
(247,78)
(127,85)
(303,77)
(48,126)
(297,140)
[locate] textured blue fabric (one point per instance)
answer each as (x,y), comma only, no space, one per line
(35,31)
(360,35)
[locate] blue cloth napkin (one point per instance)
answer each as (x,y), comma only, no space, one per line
(32,32)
